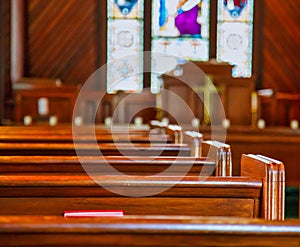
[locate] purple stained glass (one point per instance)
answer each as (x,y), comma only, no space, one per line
(176,18)
(186,21)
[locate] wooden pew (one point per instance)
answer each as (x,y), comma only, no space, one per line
(134,165)
(99,137)
(89,149)
(260,194)
(146,231)
(67,134)
(272,173)
(51,194)
(219,151)
(68,129)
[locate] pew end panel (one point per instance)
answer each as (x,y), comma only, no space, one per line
(272,173)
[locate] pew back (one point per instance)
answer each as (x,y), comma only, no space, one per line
(133,165)
(51,194)
(88,149)
(146,231)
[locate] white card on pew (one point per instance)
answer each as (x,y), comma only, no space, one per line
(93,213)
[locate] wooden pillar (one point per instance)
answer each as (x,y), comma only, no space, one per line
(1,63)
(17,39)
(5,87)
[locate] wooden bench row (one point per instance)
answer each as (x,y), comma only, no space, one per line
(256,194)
(133,165)
(36,145)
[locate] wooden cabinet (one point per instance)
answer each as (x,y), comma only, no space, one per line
(184,95)
(59,100)
(279,108)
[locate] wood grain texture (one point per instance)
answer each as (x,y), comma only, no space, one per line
(146,231)
(52,194)
(132,165)
(281,42)
(68,149)
(61,39)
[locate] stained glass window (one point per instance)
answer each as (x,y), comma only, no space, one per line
(180,32)
(125,45)
(234,36)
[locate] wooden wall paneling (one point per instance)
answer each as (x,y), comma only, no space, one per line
(61,39)
(281,54)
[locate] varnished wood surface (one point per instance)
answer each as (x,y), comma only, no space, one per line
(100,138)
(68,149)
(272,173)
(147,231)
(68,129)
(56,49)
(51,194)
(280,143)
(280,54)
(128,165)
(267,174)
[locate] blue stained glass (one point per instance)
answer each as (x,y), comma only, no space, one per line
(131,9)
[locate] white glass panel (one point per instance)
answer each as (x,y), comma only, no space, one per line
(125,74)
(188,49)
(235,46)
(125,37)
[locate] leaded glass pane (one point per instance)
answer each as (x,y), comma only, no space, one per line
(235,46)
(235,10)
(234,37)
(180,28)
(125,45)
(125,9)
(124,39)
